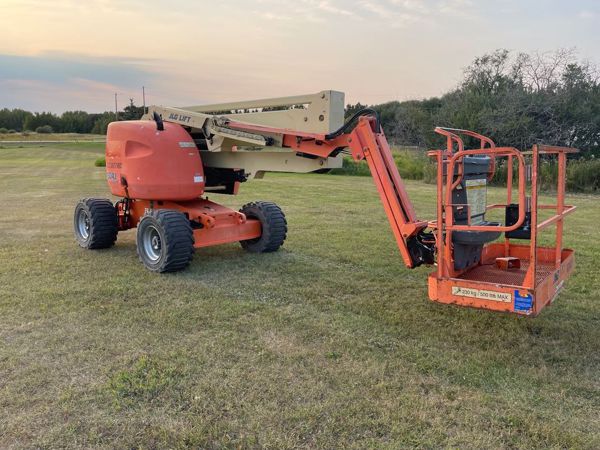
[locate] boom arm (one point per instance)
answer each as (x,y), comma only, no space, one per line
(367,141)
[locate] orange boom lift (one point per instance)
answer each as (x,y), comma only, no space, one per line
(163,165)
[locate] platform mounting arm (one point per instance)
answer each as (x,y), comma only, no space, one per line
(370,144)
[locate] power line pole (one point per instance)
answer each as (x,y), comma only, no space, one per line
(144,98)
(116,108)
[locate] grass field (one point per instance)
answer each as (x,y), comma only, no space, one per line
(328,343)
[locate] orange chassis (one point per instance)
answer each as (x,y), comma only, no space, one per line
(219,224)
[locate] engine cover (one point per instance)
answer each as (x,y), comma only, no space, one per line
(145,163)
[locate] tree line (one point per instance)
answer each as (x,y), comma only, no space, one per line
(19,120)
(517,100)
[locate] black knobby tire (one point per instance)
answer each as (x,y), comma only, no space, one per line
(273,224)
(95,223)
(165,241)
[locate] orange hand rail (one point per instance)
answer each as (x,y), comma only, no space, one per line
(452,135)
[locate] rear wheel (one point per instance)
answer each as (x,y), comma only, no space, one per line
(95,223)
(273,224)
(165,241)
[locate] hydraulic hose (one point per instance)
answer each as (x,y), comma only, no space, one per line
(350,122)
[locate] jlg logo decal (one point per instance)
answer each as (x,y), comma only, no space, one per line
(179,117)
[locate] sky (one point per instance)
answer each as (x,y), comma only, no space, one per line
(58,55)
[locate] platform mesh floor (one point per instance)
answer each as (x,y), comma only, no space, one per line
(489,273)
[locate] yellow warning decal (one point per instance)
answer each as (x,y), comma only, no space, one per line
(476,196)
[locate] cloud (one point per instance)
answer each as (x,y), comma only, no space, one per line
(274,16)
(401,13)
(74,94)
(376,8)
(59,7)
(396,13)
(327,6)
(417,6)
(312,11)
(457,8)
(587,15)
(58,81)
(57,67)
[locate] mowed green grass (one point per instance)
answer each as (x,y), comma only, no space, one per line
(328,343)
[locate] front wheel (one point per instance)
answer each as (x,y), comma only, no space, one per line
(273,225)
(165,241)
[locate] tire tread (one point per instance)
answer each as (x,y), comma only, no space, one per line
(274,226)
(178,239)
(103,223)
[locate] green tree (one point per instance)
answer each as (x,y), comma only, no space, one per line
(40,119)
(353,109)
(76,122)
(13,119)
(101,122)
(132,112)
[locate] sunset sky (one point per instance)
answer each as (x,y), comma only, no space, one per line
(58,55)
